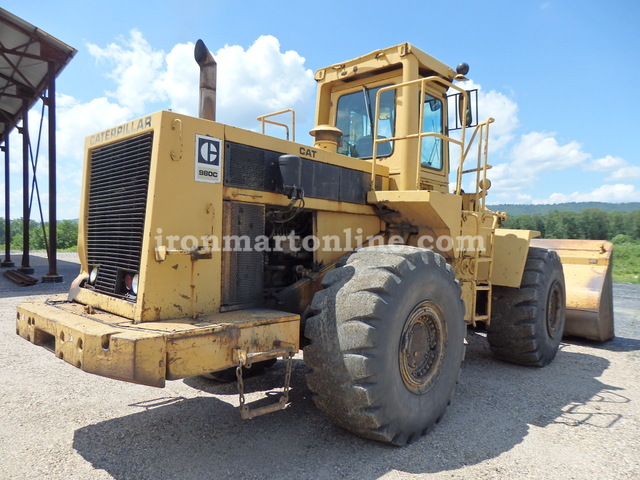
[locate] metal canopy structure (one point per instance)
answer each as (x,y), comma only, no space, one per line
(30,61)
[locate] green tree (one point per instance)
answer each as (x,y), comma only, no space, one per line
(632,224)
(554,225)
(572,225)
(540,224)
(16,241)
(16,227)
(595,223)
(617,224)
(524,222)
(67,233)
(36,236)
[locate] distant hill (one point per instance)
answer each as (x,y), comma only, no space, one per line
(512,209)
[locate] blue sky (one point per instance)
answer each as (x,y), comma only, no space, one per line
(552,73)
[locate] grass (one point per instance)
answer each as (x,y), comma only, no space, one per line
(626,263)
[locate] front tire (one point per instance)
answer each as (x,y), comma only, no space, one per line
(527,322)
(386,342)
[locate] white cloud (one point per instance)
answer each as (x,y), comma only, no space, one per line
(251,82)
(540,151)
(505,113)
(606,164)
(260,80)
(136,67)
(618,192)
(77,120)
(534,154)
(620,168)
(626,173)
(179,82)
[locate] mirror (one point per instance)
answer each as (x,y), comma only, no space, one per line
(466,118)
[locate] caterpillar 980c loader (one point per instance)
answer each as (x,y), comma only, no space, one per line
(207,249)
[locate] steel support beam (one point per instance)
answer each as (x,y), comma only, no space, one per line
(7,263)
(52,276)
(25,267)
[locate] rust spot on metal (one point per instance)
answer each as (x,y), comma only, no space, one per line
(231,335)
(201,255)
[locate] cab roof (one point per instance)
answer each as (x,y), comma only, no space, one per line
(388,59)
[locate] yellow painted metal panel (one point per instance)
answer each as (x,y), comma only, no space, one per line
(340,233)
(192,354)
(182,215)
(383,59)
(436,210)
(95,347)
(270,198)
(587,272)
(150,352)
(511,248)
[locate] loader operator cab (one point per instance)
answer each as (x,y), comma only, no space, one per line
(391,107)
(355,119)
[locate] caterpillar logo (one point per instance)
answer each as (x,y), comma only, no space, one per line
(208,159)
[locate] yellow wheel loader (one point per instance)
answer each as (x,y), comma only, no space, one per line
(206,249)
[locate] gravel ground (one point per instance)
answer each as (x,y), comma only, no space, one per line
(575,419)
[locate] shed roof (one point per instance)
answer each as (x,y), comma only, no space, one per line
(25,53)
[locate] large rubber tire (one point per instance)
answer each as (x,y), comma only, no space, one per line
(386,342)
(527,322)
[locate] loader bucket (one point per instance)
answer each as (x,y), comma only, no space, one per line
(587,273)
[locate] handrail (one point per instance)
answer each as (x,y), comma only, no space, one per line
(263,120)
(420,134)
(481,130)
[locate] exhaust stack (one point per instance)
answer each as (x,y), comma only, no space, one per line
(208,80)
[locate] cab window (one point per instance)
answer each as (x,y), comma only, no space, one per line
(431,154)
(356,117)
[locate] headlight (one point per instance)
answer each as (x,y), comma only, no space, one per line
(93,274)
(131,282)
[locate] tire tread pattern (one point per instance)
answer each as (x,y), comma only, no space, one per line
(517,332)
(344,384)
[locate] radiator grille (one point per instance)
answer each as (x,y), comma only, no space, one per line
(242,270)
(117,206)
(248,167)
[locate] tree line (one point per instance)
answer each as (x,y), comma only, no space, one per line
(67,234)
(543,208)
(589,224)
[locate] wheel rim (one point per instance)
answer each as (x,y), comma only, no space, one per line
(554,308)
(422,347)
